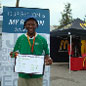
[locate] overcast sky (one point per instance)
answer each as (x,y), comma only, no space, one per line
(56,7)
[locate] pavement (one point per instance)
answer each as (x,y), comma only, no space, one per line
(61,76)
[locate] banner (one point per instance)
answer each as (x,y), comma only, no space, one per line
(13,20)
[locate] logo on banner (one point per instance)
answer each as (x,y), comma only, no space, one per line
(64,45)
(83,25)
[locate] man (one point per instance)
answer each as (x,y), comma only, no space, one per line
(31,43)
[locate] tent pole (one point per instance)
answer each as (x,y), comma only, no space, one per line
(70,54)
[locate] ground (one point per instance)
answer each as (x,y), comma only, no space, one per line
(62,76)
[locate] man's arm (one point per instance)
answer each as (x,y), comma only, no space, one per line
(13,54)
(48,60)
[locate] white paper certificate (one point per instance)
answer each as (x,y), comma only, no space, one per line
(29,64)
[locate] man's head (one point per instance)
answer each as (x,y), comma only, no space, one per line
(31,24)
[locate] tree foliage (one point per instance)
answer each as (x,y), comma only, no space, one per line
(0,5)
(66,15)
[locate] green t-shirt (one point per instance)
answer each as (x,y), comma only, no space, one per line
(23,47)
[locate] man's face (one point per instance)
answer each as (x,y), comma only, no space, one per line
(31,25)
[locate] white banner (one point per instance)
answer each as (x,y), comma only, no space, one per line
(10,33)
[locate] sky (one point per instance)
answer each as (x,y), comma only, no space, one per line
(55,6)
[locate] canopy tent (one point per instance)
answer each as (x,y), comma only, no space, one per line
(77,27)
(74,29)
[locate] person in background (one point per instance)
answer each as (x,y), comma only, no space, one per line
(72,50)
(33,44)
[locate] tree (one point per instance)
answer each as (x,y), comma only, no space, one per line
(0,5)
(66,15)
(85,18)
(17,3)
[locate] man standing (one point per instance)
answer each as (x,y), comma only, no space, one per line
(33,44)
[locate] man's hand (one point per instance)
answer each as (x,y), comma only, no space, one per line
(14,54)
(48,60)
